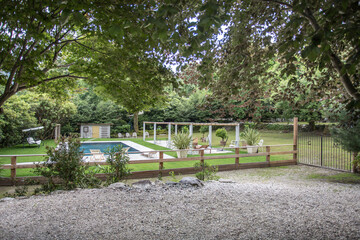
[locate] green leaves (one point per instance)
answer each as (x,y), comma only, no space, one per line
(311,52)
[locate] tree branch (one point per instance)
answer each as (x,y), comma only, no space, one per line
(23,87)
(83,45)
(279,2)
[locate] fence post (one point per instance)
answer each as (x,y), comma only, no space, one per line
(202,156)
(13,169)
(161,163)
(237,151)
(295,148)
(202,162)
(268,155)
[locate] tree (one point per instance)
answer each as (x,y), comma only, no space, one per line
(37,37)
(322,33)
(134,81)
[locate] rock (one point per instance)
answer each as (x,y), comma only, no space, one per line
(191,181)
(158,182)
(143,184)
(118,185)
(222,180)
(57,192)
(171,183)
(22,197)
(7,199)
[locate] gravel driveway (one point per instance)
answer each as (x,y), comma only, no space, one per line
(277,203)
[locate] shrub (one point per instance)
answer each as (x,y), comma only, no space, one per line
(221,133)
(251,136)
(19,192)
(118,159)
(124,128)
(181,140)
(207,171)
(65,163)
(349,138)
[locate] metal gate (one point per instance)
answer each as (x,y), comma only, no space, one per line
(323,151)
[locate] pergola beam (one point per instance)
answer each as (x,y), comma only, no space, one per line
(194,124)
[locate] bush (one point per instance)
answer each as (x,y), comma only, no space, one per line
(123,129)
(182,140)
(208,172)
(251,136)
(65,163)
(349,138)
(221,133)
(118,160)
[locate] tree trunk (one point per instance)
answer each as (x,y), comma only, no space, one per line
(3,98)
(311,125)
(136,122)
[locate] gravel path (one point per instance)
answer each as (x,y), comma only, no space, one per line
(281,204)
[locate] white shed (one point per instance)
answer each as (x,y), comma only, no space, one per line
(95,130)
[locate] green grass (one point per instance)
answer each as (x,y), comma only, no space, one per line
(270,138)
(351,178)
(20,149)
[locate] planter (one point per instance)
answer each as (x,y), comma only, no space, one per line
(222,143)
(182,153)
(252,149)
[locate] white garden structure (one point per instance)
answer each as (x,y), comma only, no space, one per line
(191,126)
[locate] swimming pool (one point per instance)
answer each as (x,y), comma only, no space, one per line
(103,146)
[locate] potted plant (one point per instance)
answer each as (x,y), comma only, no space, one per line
(251,137)
(181,141)
(203,130)
(222,133)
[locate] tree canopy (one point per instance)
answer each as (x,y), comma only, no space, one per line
(323,34)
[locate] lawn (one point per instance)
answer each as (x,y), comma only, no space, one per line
(270,138)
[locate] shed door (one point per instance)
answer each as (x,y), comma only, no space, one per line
(95,131)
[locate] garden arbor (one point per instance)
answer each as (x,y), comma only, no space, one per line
(191,126)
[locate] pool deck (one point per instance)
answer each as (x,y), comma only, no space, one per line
(133,156)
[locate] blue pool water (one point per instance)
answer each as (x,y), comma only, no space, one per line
(103,146)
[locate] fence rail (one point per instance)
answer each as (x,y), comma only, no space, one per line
(161,160)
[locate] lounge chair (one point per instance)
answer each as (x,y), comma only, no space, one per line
(195,142)
(260,144)
(127,135)
(205,147)
(149,154)
(120,135)
(31,141)
(97,155)
(233,143)
(134,135)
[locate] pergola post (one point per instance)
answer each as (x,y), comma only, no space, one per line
(237,135)
(175,129)
(144,131)
(169,135)
(154,132)
(191,131)
(210,135)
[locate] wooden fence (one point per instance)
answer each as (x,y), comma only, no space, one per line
(161,160)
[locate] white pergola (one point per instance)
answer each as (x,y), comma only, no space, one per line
(191,125)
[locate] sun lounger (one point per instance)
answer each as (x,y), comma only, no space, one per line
(149,154)
(97,155)
(31,141)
